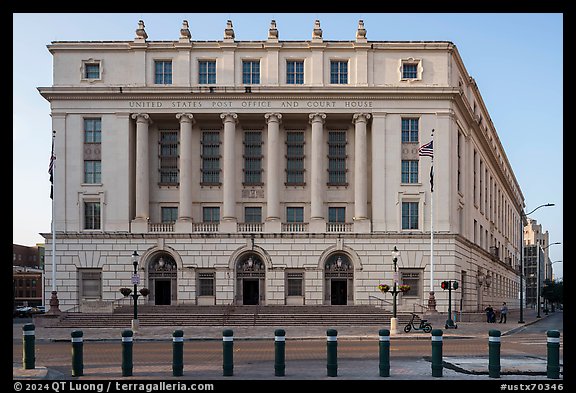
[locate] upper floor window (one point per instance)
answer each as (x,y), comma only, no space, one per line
(409,215)
(409,171)
(163,72)
(91,215)
(93,130)
(339,72)
(92,171)
(337,158)
(92,71)
(168,159)
(211,157)
(169,214)
(211,214)
(207,72)
(295,72)
(411,69)
(294,214)
(294,158)
(337,214)
(251,72)
(409,130)
(253,214)
(253,157)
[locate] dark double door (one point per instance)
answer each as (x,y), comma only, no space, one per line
(251,291)
(162,292)
(339,292)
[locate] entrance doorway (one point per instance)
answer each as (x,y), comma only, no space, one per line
(250,291)
(162,291)
(339,293)
(250,280)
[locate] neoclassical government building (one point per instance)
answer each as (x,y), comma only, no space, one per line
(277,173)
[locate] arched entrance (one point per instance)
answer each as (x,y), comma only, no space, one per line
(250,280)
(338,280)
(162,279)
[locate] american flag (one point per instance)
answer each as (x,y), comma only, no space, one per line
(426,149)
(51,170)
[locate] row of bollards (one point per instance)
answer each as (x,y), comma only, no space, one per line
(28,352)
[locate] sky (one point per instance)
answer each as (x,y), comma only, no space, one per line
(515,58)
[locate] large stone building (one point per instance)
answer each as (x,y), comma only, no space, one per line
(277,172)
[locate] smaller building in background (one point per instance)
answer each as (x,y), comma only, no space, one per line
(27,275)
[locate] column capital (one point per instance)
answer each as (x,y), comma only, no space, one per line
(229,116)
(316,117)
(361,117)
(272,117)
(186,118)
(142,117)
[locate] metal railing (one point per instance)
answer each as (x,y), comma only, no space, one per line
(379,300)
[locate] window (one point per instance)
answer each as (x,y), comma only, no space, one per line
(294,214)
(91,215)
(93,172)
(459,149)
(163,72)
(409,171)
(251,72)
(409,130)
(336,214)
(253,214)
(337,158)
(90,283)
(294,283)
(206,283)
(409,215)
(93,130)
(168,161)
(412,277)
(339,72)
(295,72)
(294,158)
(91,71)
(169,214)
(211,214)
(409,71)
(211,157)
(207,72)
(253,157)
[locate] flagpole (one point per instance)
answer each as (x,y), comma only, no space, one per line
(54,302)
(431,298)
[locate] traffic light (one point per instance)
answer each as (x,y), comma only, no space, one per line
(455,285)
(445,284)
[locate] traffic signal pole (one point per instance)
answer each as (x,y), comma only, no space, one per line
(448,285)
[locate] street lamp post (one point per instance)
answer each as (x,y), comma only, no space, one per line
(135,295)
(394,320)
(522,218)
(538,274)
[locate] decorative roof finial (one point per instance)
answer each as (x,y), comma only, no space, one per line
(185,32)
(140,32)
(273,31)
(317,32)
(361,32)
(229,31)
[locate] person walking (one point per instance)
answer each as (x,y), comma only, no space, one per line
(489,312)
(503,312)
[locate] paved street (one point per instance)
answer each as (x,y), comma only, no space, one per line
(465,352)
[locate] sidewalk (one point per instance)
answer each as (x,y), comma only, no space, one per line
(520,367)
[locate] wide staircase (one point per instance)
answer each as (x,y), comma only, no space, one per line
(221,315)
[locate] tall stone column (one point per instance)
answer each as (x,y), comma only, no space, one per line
(228,222)
(317,219)
(273,176)
(361,221)
(140,222)
(184,222)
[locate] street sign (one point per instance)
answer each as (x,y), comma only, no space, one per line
(135,279)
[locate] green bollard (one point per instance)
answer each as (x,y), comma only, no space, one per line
(437,352)
(553,362)
(228,353)
(332,352)
(28,350)
(178,353)
(279,352)
(127,343)
(77,353)
(494,354)
(384,347)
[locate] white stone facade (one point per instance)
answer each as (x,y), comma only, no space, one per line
(477,201)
